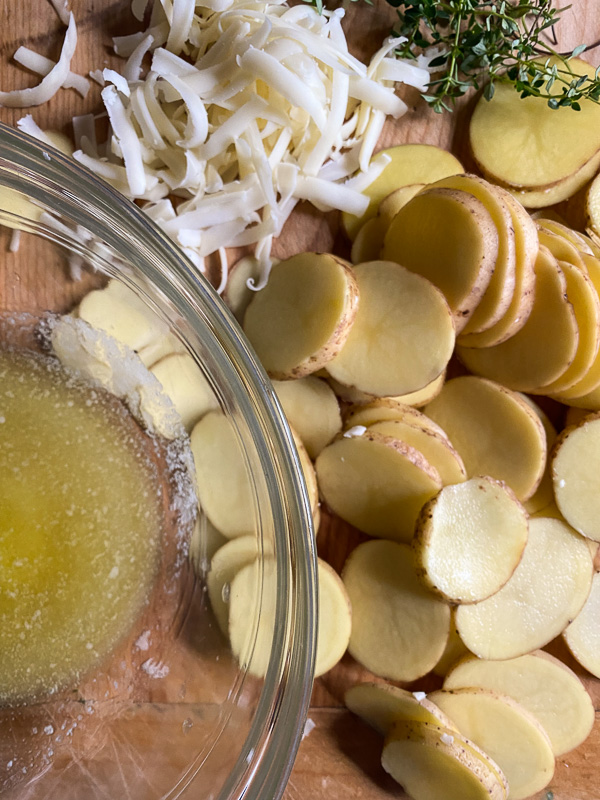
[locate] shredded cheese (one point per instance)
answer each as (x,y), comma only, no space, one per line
(42,66)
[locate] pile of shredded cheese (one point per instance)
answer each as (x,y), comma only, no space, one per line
(247,107)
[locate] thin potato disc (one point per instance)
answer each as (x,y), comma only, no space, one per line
(433,762)
(312,409)
(376,483)
(335,619)
(391,609)
(583,634)
(302,317)
(546,591)
(224,566)
(403,334)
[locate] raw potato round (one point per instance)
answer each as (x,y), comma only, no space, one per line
(237,293)
(504,730)
(391,609)
(393,202)
(496,432)
(380,705)
(448,237)
(469,540)
(543,348)
(376,483)
(224,484)
(546,591)
(498,296)
(224,566)
(526,251)
(561,248)
(543,685)
(402,337)
(433,762)
(434,446)
(575,470)
(312,410)
(302,317)
(369,240)
(455,650)
(310,479)
(542,198)
(389,408)
(543,495)
(583,634)
(335,619)
(502,144)
(187,388)
(410,164)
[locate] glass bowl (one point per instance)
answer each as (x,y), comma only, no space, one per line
(169,712)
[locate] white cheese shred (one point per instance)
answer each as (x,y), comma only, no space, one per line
(52,82)
(62,10)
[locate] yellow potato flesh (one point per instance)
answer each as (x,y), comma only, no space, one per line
(391,205)
(575,470)
(376,483)
(252,613)
(550,196)
(561,248)
(504,730)
(301,318)
(389,408)
(185,385)
(543,348)
(391,609)
(312,409)
(381,704)
(455,650)
(402,337)
(448,237)
(335,619)
(410,164)
(435,447)
(499,293)
(547,590)
(433,762)
(469,540)
(225,564)
(540,683)
(583,634)
(424,395)
(593,205)
(524,143)
(494,430)
(369,240)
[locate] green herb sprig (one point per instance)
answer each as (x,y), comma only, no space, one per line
(489,42)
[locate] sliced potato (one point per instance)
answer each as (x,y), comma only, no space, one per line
(424,395)
(237,293)
(526,250)
(15,202)
(543,348)
(391,609)
(312,409)
(388,408)
(393,202)
(335,619)
(433,762)
(376,483)
(546,591)
(347,393)
(186,386)
(575,466)
(592,205)
(496,432)
(469,540)
(380,705)
(402,337)
(310,478)
(509,734)
(544,494)
(583,634)
(498,296)
(434,446)
(579,240)
(224,566)
(118,311)
(303,316)
(448,237)
(551,195)
(369,239)
(502,144)
(542,685)
(154,352)
(222,477)
(561,248)
(455,650)
(409,164)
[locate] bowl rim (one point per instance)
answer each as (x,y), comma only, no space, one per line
(57,181)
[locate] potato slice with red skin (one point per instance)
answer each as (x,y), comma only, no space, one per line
(402,337)
(526,250)
(432,762)
(495,431)
(498,296)
(303,316)
(448,237)
(391,611)
(546,591)
(543,348)
(583,634)
(469,540)
(540,683)
(507,732)
(376,483)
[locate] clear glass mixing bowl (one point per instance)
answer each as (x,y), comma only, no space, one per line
(170,713)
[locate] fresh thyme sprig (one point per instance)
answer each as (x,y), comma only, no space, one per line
(486,42)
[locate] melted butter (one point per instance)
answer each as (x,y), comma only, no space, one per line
(80,526)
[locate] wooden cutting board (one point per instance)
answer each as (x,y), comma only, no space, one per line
(339,757)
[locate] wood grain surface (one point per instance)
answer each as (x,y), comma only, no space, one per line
(340,757)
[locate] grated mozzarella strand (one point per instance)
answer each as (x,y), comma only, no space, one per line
(128,140)
(42,66)
(52,82)
(62,10)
